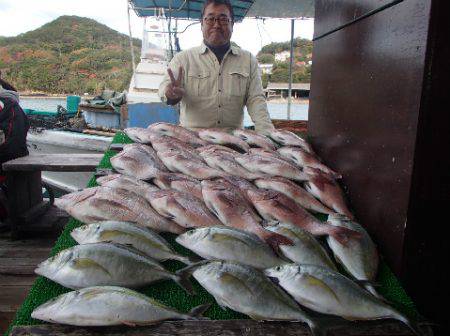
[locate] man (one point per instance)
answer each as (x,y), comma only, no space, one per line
(13,124)
(217,79)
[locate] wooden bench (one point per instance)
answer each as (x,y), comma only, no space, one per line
(24,181)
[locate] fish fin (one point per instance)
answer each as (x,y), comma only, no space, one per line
(199,311)
(184,283)
(275,239)
(128,323)
(99,172)
(414,325)
(182,276)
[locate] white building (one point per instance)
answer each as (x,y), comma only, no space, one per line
(282,56)
(265,68)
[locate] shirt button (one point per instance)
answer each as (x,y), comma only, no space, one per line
(220,90)
(218,122)
(220,106)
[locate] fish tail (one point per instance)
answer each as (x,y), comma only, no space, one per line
(321,325)
(275,239)
(343,235)
(182,276)
(188,260)
(197,312)
(411,324)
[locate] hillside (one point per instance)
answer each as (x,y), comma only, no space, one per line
(68,55)
(280,71)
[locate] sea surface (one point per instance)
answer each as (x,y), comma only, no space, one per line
(276,110)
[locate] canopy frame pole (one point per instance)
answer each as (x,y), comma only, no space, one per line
(133,60)
(291,60)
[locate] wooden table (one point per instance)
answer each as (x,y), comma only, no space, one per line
(222,328)
(24,182)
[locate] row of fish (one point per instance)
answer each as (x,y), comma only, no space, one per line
(251,213)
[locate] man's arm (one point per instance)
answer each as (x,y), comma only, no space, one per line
(256,101)
(171,88)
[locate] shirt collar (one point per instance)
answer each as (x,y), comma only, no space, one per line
(233,46)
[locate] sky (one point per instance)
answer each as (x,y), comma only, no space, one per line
(20,16)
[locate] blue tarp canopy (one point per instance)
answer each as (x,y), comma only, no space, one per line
(191,9)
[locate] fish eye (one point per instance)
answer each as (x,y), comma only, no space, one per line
(190,233)
(278,268)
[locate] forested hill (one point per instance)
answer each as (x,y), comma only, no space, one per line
(68,55)
(280,71)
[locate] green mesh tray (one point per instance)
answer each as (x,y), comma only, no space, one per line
(167,291)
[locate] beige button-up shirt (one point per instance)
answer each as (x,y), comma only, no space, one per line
(215,94)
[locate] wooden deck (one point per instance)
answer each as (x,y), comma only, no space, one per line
(18,259)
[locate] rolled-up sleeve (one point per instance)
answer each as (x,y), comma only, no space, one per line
(256,101)
(174,65)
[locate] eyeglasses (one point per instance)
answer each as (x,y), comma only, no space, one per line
(211,20)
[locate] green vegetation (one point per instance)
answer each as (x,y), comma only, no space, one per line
(68,55)
(280,71)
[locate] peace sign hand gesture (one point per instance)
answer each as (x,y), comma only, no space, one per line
(174,90)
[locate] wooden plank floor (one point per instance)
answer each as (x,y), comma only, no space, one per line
(18,259)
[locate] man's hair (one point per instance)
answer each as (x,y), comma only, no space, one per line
(218,2)
(4,84)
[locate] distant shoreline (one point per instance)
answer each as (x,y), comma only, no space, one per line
(302,101)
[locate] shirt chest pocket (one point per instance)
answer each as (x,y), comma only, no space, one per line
(238,81)
(199,83)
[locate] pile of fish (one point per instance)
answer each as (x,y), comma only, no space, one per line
(244,203)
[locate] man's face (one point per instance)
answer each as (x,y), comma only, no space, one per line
(217,26)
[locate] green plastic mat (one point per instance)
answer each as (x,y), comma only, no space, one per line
(167,291)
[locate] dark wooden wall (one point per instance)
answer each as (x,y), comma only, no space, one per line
(378,115)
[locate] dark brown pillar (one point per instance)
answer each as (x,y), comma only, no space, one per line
(378,115)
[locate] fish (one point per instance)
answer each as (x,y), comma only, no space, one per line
(271,166)
(294,191)
(99,204)
(140,135)
(222,138)
(269,153)
(232,209)
(287,138)
(227,162)
(129,183)
(306,249)
(179,182)
(142,239)
(329,292)
(161,143)
(255,139)
(183,208)
(105,264)
(305,159)
(217,147)
(327,191)
(246,290)
(185,162)
(359,257)
(139,161)
(229,244)
(179,132)
(275,206)
(108,306)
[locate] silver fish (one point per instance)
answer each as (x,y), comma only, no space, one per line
(294,191)
(329,292)
(328,192)
(232,208)
(227,162)
(360,256)
(139,161)
(222,138)
(287,138)
(99,204)
(304,159)
(183,208)
(184,162)
(124,233)
(248,291)
(129,183)
(108,306)
(306,249)
(271,166)
(269,153)
(178,132)
(229,244)
(105,264)
(255,139)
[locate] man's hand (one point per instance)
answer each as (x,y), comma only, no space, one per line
(174,91)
